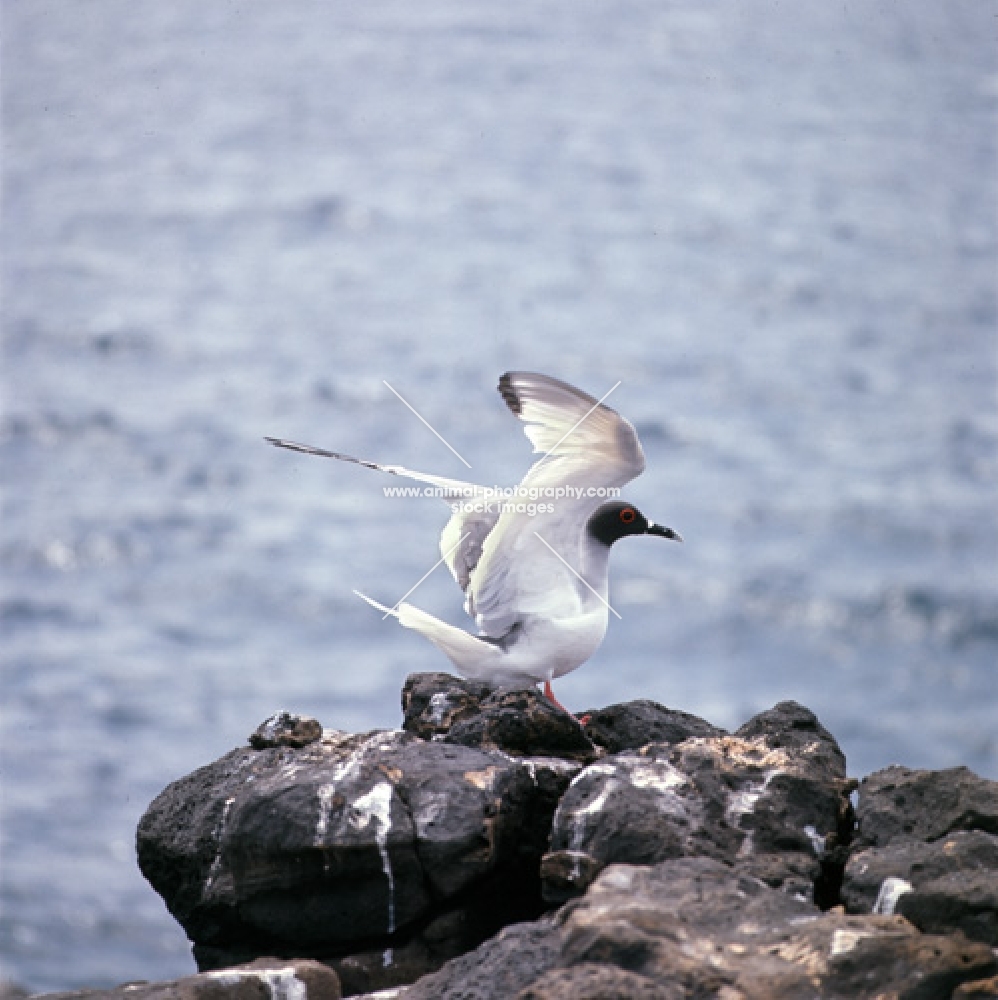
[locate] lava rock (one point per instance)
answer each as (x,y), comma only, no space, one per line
(913,864)
(524,723)
(433,703)
(898,803)
(938,866)
(639,808)
(772,803)
(264,979)
(520,722)
(354,850)
(664,921)
(390,855)
(696,927)
(791,726)
(286,729)
(634,724)
(592,981)
(497,970)
(960,901)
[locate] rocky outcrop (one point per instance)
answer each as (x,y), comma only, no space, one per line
(448,709)
(286,730)
(637,723)
(933,851)
(696,927)
(381,853)
(498,847)
(898,804)
(773,798)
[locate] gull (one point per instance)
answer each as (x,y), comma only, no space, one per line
(534,575)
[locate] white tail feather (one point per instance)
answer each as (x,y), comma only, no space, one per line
(375,604)
(452,487)
(472,656)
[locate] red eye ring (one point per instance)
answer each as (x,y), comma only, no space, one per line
(627,515)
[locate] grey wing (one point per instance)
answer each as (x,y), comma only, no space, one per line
(462,540)
(581,440)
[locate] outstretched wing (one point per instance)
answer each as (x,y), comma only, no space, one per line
(579,437)
(530,564)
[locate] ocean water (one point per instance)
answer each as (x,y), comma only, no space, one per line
(774,225)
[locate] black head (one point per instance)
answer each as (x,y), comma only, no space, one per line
(615,520)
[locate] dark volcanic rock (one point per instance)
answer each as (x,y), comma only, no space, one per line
(433,703)
(286,729)
(913,863)
(960,901)
(634,724)
(389,855)
(592,981)
(936,859)
(500,968)
(694,927)
(524,723)
(519,722)
(771,802)
(793,727)
(634,807)
(898,803)
(381,853)
(264,979)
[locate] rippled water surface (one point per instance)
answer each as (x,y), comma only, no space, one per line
(773,224)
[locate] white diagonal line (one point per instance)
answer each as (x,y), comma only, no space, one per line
(572,568)
(572,428)
(426,574)
(433,429)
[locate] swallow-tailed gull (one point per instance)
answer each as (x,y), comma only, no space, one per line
(535,583)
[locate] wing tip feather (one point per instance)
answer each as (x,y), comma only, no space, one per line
(530,387)
(509,394)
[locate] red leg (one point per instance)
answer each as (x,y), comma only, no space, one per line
(549,694)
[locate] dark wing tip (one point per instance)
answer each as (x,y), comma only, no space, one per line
(533,385)
(509,394)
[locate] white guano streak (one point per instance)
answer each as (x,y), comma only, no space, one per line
(376,807)
(579,823)
(217,835)
(439,704)
(659,776)
(891,890)
(326,793)
(742,802)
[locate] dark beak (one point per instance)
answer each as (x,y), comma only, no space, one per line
(663,531)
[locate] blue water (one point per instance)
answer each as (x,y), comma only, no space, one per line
(775,225)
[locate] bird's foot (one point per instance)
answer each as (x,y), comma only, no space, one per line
(549,694)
